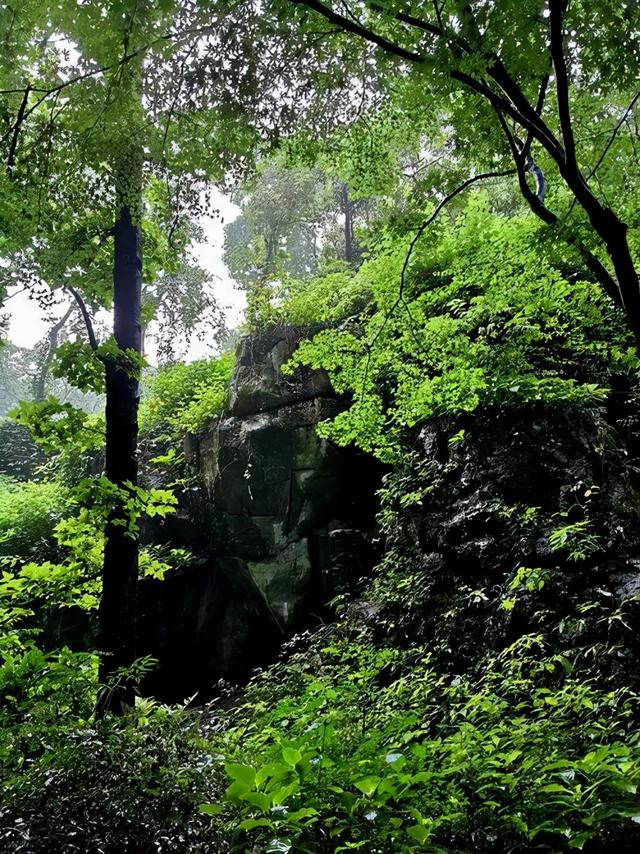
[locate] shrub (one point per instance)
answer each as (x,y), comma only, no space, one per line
(183,397)
(485,314)
(129,788)
(29,512)
(355,747)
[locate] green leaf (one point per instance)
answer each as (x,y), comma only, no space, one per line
(253,823)
(419,833)
(242,773)
(303,812)
(291,756)
(258,799)
(211,809)
(368,785)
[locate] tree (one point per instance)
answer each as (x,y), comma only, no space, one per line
(545,86)
(181,304)
(126,113)
(280,224)
(94,149)
(53,337)
(292,218)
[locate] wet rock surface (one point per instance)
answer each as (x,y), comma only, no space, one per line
(285,521)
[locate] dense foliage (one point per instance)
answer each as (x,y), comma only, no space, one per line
(182,398)
(487,313)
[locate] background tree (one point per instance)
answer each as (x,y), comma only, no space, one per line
(544,89)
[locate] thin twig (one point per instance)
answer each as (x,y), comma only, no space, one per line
(623,119)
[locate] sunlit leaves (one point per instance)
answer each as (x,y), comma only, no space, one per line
(491,316)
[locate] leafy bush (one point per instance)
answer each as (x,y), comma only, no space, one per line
(183,397)
(330,297)
(118,789)
(20,456)
(349,746)
(29,512)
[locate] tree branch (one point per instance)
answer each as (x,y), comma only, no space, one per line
(523,163)
(41,378)
(557,9)
(85,316)
(517,107)
(358,30)
(410,20)
(11,157)
(614,134)
(535,201)
(542,93)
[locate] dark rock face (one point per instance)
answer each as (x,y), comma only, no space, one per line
(297,510)
(258,384)
(284,521)
(203,623)
(287,516)
(499,496)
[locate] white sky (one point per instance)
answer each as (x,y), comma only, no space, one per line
(27,323)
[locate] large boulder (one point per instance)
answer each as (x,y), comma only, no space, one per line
(542,490)
(295,508)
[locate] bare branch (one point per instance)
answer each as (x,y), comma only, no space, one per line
(623,119)
(85,316)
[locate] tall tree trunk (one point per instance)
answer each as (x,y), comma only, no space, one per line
(118,604)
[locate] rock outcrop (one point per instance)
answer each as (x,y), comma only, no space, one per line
(284,517)
(284,521)
(544,491)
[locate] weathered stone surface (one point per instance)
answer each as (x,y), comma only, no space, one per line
(276,489)
(259,385)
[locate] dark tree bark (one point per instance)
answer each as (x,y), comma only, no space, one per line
(120,572)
